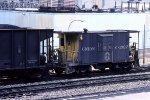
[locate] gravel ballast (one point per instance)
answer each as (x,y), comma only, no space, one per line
(87,92)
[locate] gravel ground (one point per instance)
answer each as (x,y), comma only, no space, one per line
(89,92)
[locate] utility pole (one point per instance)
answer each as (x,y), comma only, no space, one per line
(144,46)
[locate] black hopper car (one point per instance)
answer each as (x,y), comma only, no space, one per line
(28,51)
(24,51)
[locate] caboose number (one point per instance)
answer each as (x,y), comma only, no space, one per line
(88,48)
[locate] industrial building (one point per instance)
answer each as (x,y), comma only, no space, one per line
(57,3)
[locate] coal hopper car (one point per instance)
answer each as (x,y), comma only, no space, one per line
(24,51)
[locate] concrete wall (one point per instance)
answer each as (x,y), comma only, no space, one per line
(102,21)
(27,19)
(78,21)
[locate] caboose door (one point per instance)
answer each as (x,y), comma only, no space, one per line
(105,47)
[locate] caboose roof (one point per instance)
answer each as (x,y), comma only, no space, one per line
(99,32)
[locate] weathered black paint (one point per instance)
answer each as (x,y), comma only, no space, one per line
(20,48)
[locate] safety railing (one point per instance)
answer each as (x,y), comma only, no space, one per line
(67,56)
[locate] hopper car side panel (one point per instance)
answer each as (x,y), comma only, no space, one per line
(32,48)
(20,48)
(5,49)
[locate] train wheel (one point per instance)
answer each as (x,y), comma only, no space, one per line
(122,69)
(129,68)
(102,69)
(45,74)
(78,71)
(59,70)
(112,68)
(88,70)
(116,68)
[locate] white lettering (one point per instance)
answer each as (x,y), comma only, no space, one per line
(88,48)
(121,47)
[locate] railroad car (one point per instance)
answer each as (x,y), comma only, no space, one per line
(24,51)
(79,51)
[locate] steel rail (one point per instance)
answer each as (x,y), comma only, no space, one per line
(66,84)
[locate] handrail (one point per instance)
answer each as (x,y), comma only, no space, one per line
(73,55)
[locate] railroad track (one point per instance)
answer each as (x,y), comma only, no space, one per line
(32,88)
(8,81)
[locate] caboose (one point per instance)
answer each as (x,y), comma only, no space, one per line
(79,51)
